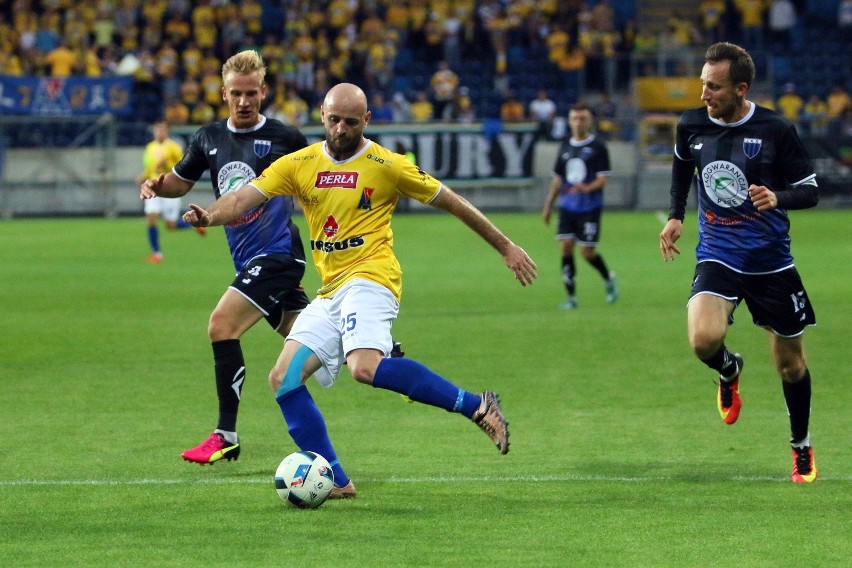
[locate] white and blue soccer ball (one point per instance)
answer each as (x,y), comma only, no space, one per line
(304,480)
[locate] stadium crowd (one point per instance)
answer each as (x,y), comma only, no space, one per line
(174,49)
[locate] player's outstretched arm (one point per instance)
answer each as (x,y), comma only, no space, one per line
(515,257)
(226,209)
(166,185)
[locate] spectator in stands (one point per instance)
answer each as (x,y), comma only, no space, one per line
(401,108)
(90,62)
(232,28)
(103,28)
(177,112)
(542,110)
(178,29)
(751,22)
(204,30)
(838,101)
(26,25)
(61,61)
(781,22)
(712,20)
(211,83)
(76,31)
(815,116)
(47,36)
(305,48)
(422,109)
(461,108)
(844,19)
(382,112)
(443,85)
(10,63)
(190,91)
(295,109)
(452,39)
(202,113)
(511,109)
(380,63)
(605,112)
(433,31)
(790,104)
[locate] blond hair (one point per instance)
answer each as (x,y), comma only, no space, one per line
(245,63)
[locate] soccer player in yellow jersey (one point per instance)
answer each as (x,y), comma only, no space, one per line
(348,186)
(161,155)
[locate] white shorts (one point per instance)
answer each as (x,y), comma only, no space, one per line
(167,207)
(358,316)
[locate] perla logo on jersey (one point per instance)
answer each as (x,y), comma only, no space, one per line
(724,183)
(344,180)
(232,176)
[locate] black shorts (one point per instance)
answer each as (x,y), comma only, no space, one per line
(585,228)
(273,283)
(777,301)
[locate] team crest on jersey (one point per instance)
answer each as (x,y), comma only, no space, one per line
(724,183)
(232,176)
(330,228)
(751,147)
(344,180)
(262,147)
(366,201)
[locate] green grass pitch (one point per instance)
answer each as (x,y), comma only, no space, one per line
(618,456)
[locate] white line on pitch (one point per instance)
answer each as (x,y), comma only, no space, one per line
(462,479)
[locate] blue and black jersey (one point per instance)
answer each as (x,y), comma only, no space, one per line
(235,157)
(761,149)
(581,162)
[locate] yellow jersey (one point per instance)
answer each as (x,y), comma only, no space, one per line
(161,157)
(348,206)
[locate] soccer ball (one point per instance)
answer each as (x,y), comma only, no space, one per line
(304,480)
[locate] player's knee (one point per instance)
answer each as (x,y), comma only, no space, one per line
(704,344)
(276,377)
(362,373)
(291,372)
(791,371)
(220,328)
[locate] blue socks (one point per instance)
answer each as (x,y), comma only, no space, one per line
(154,238)
(307,428)
(418,383)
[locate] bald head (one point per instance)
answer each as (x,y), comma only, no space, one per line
(345,99)
(344,116)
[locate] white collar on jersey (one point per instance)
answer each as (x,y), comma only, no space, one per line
(367,144)
(583,142)
(747,116)
(244,130)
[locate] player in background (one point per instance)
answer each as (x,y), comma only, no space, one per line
(579,177)
(161,154)
(265,245)
(752,168)
(348,187)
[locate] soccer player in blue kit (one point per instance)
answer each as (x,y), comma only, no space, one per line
(751,169)
(579,176)
(348,187)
